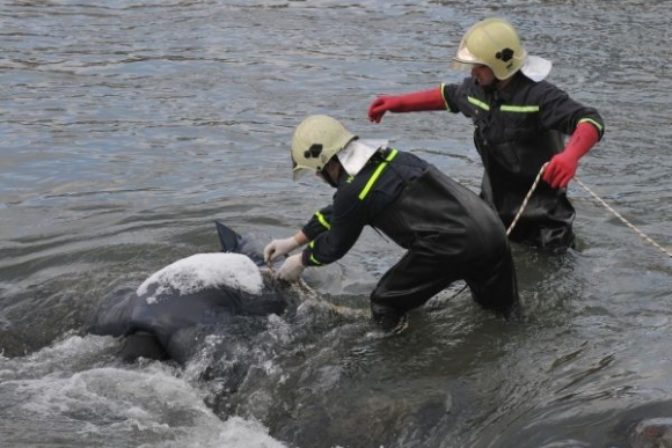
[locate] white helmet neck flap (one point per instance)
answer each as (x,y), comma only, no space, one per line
(358,152)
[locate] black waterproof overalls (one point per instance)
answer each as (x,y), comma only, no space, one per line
(449,233)
(518,129)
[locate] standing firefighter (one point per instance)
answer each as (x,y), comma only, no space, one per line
(519,123)
(448,231)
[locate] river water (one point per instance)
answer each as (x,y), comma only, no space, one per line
(128,126)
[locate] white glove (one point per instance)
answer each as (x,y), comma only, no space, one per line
(291,269)
(278,248)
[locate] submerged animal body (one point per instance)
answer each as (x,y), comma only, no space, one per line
(168,313)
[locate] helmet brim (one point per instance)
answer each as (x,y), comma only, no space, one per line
(465,59)
(461,66)
(298,173)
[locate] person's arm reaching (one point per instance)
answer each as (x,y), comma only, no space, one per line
(280,247)
(431,99)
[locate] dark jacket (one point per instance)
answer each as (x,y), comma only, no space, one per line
(411,202)
(518,129)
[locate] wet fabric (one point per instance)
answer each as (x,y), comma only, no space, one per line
(450,233)
(518,129)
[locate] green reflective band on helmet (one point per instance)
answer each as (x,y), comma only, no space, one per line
(524,109)
(593,122)
(477,102)
(323,220)
(376,174)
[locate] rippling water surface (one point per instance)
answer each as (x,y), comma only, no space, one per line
(128,126)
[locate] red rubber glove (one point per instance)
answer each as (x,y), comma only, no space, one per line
(425,100)
(562,166)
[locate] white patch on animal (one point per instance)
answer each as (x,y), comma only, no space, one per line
(201,271)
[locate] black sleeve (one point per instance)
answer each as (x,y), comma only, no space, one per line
(319,222)
(348,218)
(455,96)
(358,200)
(560,112)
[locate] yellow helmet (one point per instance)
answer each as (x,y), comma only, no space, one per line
(316,140)
(493,42)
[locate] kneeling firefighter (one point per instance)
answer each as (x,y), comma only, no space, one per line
(448,231)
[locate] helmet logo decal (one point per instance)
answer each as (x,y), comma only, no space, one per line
(314,151)
(505,55)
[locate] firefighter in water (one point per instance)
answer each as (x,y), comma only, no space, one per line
(520,123)
(449,233)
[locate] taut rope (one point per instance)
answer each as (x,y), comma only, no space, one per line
(623,220)
(527,199)
(529,194)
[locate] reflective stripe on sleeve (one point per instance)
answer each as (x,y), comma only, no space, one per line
(599,127)
(323,220)
(445,101)
(312,257)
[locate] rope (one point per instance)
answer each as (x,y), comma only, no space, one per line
(623,220)
(597,198)
(309,291)
(527,199)
(529,194)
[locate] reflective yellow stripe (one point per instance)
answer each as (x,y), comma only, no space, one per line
(376,174)
(593,122)
(524,109)
(323,220)
(312,257)
(477,102)
(445,101)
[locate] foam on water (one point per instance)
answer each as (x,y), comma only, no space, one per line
(201,271)
(144,404)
